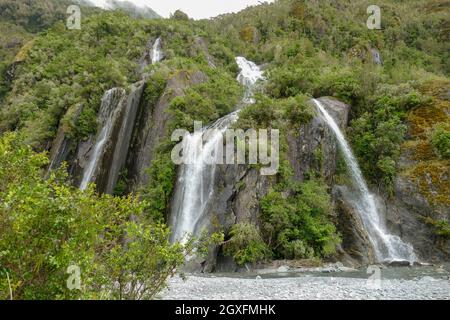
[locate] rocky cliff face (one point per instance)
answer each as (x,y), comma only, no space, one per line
(421,201)
(407,214)
(151,125)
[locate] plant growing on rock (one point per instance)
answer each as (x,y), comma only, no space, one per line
(440,139)
(246,244)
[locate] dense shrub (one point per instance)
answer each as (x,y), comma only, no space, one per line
(246,244)
(47,226)
(440,139)
(378,132)
(180,15)
(298,225)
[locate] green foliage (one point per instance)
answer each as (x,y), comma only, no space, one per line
(154,88)
(291,80)
(275,113)
(296,110)
(247,34)
(206,101)
(162,175)
(65,68)
(337,27)
(264,113)
(314,48)
(33,15)
(318,48)
(46,226)
(378,133)
(440,140)
(297,225)
(343,85)
(246,244)
(180,15)
(441,227)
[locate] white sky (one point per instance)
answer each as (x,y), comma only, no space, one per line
(197,9)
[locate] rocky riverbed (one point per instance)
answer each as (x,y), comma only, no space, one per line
(392,283)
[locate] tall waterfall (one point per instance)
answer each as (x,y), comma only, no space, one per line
(107,114)
(387,247)
(195,186)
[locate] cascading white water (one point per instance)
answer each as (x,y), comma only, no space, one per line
(387,247)
(157,54)
(106,116)
(195,186)
(249,75)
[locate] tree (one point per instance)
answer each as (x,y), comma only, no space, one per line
(180,15)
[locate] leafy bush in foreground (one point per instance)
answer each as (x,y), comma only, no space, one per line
(47,226)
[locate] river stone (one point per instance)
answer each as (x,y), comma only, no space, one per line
(283,269)
(399,263)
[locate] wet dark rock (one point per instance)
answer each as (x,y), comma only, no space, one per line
(62,147)
(112,106)
(151,125)
(313,147)
(398,263)
(406,214)
(10,73)
(355,248)
(127,118)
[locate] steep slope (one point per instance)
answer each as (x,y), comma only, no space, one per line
(377,81)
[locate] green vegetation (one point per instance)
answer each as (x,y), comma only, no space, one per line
(246,244)
(324,48)
(441,227)
(297,226)
(67,69)
(441,140)
(47,226)
(295,216)
(180,15)
(35,15)
(378,134)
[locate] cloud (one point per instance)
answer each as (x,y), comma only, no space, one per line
(197,9)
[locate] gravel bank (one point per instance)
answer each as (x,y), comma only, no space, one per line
(304,288)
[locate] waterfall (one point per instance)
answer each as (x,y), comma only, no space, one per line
(195,186)
(157,54)
(119,117)
(122,144)
(387,247)
(107,114)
